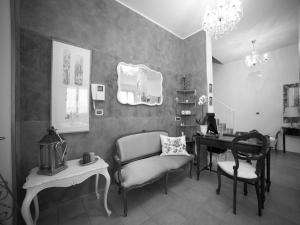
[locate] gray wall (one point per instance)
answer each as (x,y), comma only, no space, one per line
(5,98)
(114,33)
(194,61)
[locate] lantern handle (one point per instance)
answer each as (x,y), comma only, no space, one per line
(61,141)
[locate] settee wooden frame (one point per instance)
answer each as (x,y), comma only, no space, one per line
(119,164)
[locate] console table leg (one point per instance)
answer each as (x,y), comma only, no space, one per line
(107,177)
(25,210)
(96,186)
(36,209)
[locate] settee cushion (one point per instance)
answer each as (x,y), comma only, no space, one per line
(173,145)
(144,170)
(172,162)
(137,145)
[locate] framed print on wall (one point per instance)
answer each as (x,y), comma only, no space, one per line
(71,68)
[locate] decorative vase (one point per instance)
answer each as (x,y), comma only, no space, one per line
(203,129)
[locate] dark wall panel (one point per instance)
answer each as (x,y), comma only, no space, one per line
(115,34)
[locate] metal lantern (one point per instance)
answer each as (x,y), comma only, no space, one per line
(53,149)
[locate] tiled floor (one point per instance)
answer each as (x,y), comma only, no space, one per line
(191,202)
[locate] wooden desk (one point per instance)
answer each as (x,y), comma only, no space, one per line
(74,174)
(295,131)
(226,142)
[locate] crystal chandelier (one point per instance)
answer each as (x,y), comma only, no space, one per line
(254,58)
(223,18)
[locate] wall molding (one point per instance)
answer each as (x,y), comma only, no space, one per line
(157,23)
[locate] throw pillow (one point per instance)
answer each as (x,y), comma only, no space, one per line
(173,145)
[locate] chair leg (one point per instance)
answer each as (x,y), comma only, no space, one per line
(166,183)
(124,202)
(210,160)
(234,195)
(258,197)
(119,190)
(219,181)
(245,189)
(262,187)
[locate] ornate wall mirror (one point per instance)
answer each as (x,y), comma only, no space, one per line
(138,84)
(291,103)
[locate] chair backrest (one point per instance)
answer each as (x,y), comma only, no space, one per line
(139,145)
(239,153)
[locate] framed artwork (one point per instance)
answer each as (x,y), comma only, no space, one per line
(71,68)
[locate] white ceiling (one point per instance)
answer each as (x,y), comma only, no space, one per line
(273,23)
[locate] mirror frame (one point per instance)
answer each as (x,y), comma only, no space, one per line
(146,68)
(286,88)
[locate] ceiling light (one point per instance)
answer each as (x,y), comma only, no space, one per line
(255,58)
(223,18)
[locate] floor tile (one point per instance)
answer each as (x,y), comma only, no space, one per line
(168,217)
(149,222)
(136,216)
(81,219)
(70,209)
(190,202)
(48,217)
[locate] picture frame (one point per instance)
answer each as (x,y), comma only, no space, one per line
(70,85)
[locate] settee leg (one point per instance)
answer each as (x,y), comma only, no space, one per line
(166,183)
(124,202)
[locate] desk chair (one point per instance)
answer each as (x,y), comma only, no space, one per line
(242,171)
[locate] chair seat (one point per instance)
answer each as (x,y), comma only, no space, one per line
(245,170)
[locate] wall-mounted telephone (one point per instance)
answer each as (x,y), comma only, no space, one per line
(98,94)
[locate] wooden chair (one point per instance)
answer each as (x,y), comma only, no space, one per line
(243,171)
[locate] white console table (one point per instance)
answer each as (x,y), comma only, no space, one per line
(74,174)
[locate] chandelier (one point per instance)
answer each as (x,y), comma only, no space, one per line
(223,18)
(255,58)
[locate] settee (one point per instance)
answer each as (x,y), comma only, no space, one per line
(139,162)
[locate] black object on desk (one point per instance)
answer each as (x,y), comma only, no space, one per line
(294,131)
(212,129)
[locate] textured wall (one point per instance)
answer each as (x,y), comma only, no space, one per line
(194,61)
(5,102)
(195,68)
(114,33)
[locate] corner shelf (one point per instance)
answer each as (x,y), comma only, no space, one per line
(187,91)
(186,101)
(193,114)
